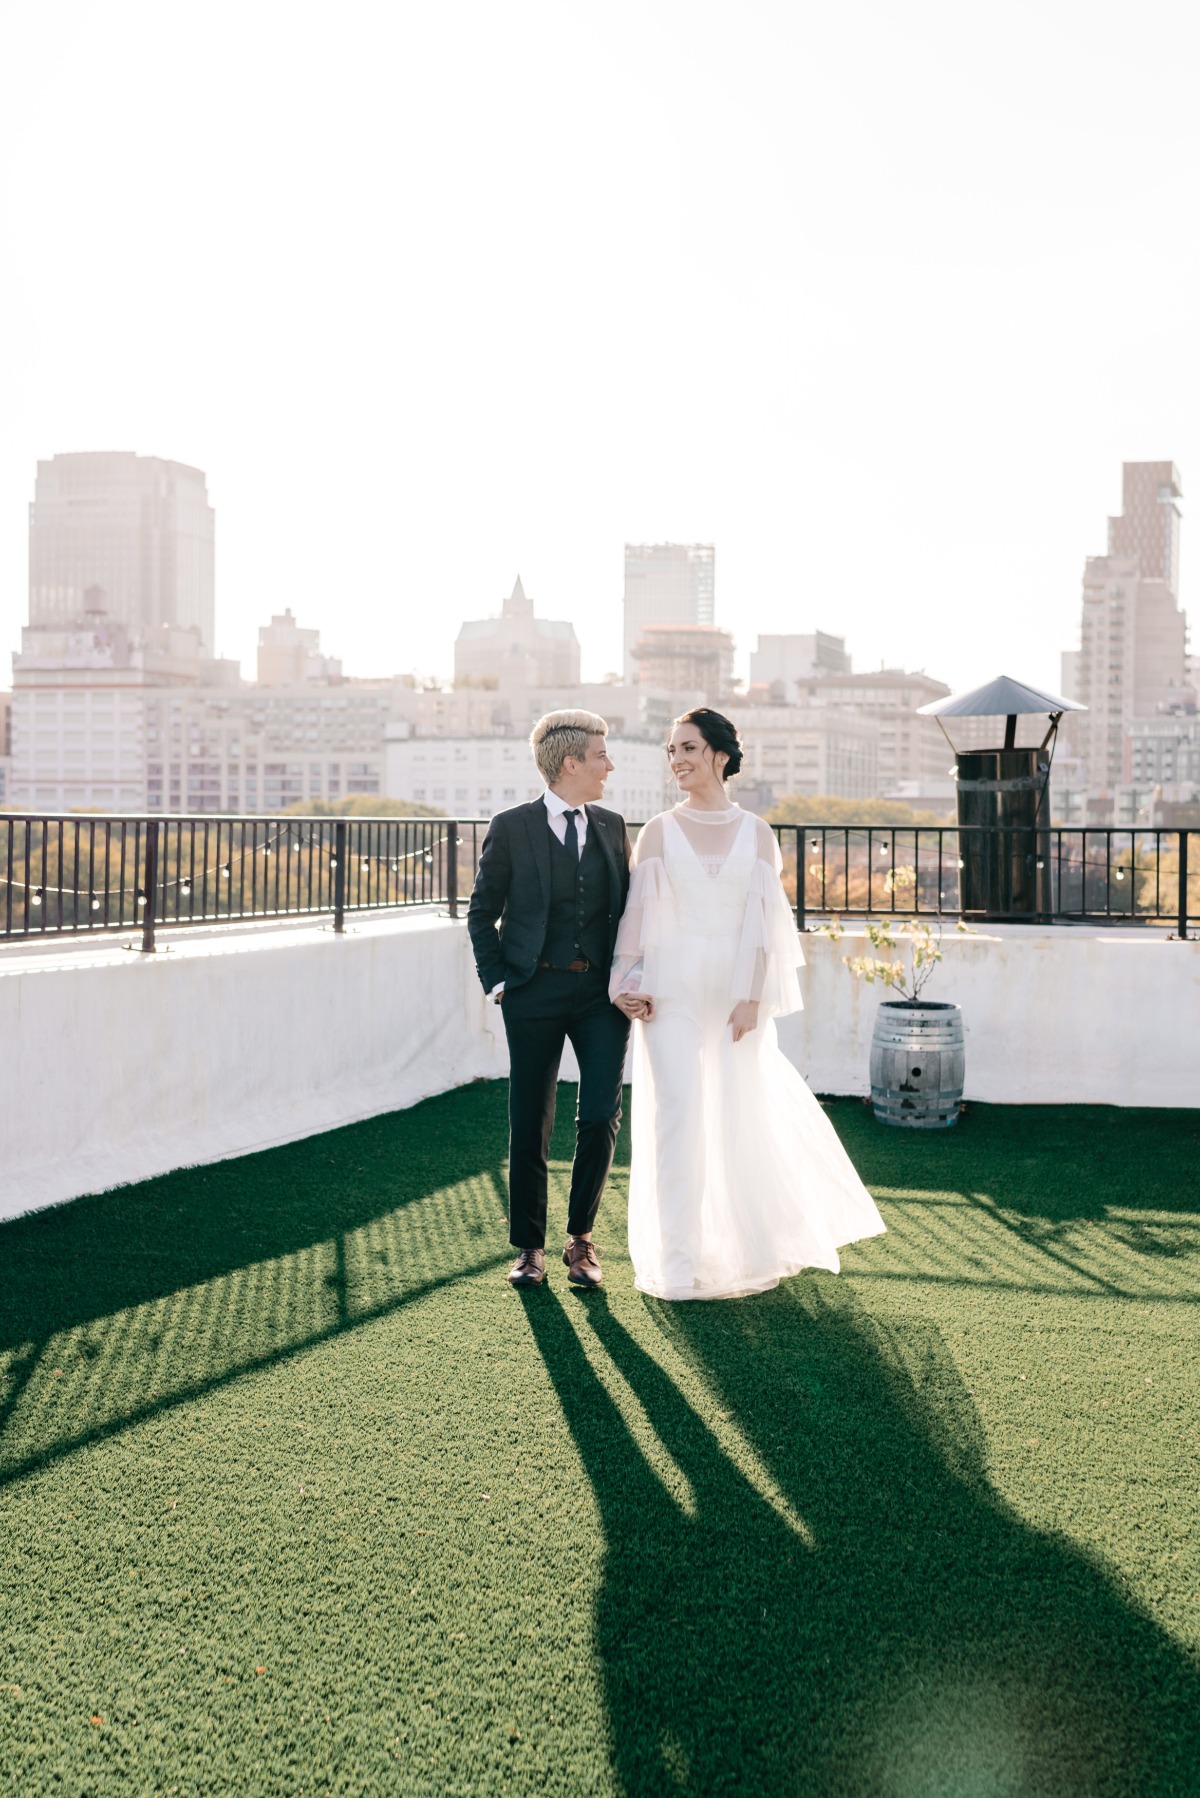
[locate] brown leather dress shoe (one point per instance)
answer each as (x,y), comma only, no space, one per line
(582,1263)
(529,1268)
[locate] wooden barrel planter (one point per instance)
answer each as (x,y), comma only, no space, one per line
(917,1064)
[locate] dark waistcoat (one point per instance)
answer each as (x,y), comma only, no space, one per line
(577,923)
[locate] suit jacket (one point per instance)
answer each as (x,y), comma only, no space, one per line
(512,889)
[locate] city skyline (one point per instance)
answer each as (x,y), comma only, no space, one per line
(795,328)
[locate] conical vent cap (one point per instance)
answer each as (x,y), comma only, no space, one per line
(1001,697)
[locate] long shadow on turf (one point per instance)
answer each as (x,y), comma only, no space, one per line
(150,1295)
(920,1638)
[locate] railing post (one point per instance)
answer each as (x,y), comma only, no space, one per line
(151,879)
(339,876)
(1183,883)
(452,867)
(802,881)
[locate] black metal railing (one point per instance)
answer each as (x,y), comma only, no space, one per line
(76,875)
(79,875)
(1071,873)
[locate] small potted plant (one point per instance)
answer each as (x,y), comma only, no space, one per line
(917,1055)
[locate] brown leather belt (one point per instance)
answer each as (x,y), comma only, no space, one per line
(572,967)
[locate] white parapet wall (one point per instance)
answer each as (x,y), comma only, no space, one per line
(1062,1016)
(116,1066)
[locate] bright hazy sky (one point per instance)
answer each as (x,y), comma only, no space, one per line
(876,298)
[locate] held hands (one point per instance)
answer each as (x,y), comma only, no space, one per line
(635,1005)
(744,1018)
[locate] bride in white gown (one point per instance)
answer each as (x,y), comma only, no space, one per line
(738,1177)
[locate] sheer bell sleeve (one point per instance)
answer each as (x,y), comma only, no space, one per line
(769,951)
(645,919)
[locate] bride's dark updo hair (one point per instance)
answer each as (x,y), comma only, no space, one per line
(720,736)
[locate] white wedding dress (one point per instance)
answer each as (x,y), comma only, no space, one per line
(738,1177)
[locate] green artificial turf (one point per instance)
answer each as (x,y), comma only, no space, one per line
(296,1496)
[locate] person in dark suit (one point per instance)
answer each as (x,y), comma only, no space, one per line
(552,881)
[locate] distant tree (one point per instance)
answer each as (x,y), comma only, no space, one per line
(797,809)
(362,805)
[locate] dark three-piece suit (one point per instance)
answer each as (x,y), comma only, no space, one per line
(557,911)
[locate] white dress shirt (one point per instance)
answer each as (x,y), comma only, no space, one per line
(556,812)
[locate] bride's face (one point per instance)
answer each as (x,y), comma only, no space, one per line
(691,759)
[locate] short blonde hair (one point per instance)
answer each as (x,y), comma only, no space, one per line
(560,734)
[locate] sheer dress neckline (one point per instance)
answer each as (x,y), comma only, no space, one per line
(725,816)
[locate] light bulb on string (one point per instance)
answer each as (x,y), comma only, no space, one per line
(883,848)
(333,861)
(94,902)
(140,896)
(429,858)
(1120,873)
(295,848)
(36,898)
(961,863)
(366,863)
(815,846)
(185,886)
(225,871)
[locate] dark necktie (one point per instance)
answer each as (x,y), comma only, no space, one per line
(571,841)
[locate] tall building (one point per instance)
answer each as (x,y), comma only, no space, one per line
(686,658)
(912,752)
(288,654)
(5,747)
(1132,656)
(139,527)
(666,583)
(1148,526)
(517,648)
(780,661)
(811,750)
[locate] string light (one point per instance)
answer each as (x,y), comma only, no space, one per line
(95,903)
(37,896)
(226,871)
(185,886)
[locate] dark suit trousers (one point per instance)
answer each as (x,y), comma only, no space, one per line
(539,1018)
